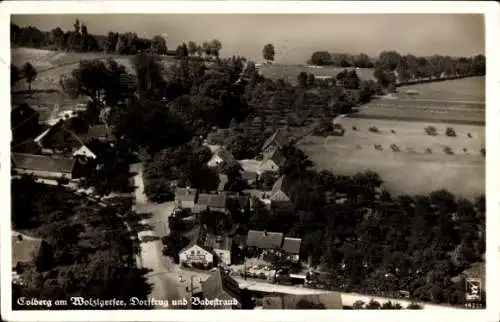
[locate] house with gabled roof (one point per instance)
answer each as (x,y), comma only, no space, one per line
(264,240)
(213,202)
(48,167)
(185,198)
(276,141)
(280,193)
(206,249)
(271,162)
(220,286)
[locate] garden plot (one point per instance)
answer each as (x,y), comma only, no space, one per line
(421,164)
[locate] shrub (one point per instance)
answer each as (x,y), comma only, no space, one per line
(431,130)
(414,306)
(358,305)
(469,135)
(358,147)
(354,128)
(378,147)
(393,132)
(448,150)
(465,150)
(450,132)
(395,148)
(428,150)
(373,129)
(483,152)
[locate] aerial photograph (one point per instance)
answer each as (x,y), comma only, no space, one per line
(247,161)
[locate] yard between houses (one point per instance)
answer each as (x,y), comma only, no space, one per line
(412,170)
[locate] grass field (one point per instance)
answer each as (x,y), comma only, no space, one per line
(465,89)
(412,170)
(290,72)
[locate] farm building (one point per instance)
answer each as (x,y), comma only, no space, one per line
(47,167)
(222,287)
(185,197)
(328,301)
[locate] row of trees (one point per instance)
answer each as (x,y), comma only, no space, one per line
(324,58)
(78,39)
(86,251)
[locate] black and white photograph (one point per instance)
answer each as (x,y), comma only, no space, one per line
(177,161)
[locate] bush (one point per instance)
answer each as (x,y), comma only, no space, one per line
(428,150)
(374,129)
(431,130)
(393,132)
(465,150)
(483,152)
(469,135)
(395,148)
(450,132)
(414,306)
(448,150)
(354,128)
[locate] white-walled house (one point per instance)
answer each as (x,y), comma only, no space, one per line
(84,151)
(194,253)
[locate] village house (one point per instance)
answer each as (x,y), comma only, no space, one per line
(272,162)
(219,156)
(280,193)
(249,176)
(238,202)
(220,286)
(206,249)
(47,167)
(71,138)
(212,202)
(328,301)
(263,240)
(291,248)
(276,141)
(185,198)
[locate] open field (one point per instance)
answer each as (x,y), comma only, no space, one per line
(290,72)
(465,89)
(411,170)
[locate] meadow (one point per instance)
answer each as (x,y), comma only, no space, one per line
(388,136)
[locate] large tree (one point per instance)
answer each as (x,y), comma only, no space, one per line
(29,73)
(268,52)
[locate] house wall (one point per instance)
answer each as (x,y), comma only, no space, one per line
(214,161)
(196,254)
(45,174)
(268,165)
(184,204)
(224,256)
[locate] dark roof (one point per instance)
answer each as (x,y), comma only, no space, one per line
(279,137)
(198,237)
(331,300)
(217,242)
(42,163)
(247,175)
(29,147)
(276,156)
(264,240)
(100,132)
(212,201)
(20,114)
(242,201)
(291,245)
(283,184)
(221,286)
(23,251)
(185,194)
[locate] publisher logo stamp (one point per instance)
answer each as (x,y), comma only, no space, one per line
(472,290)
